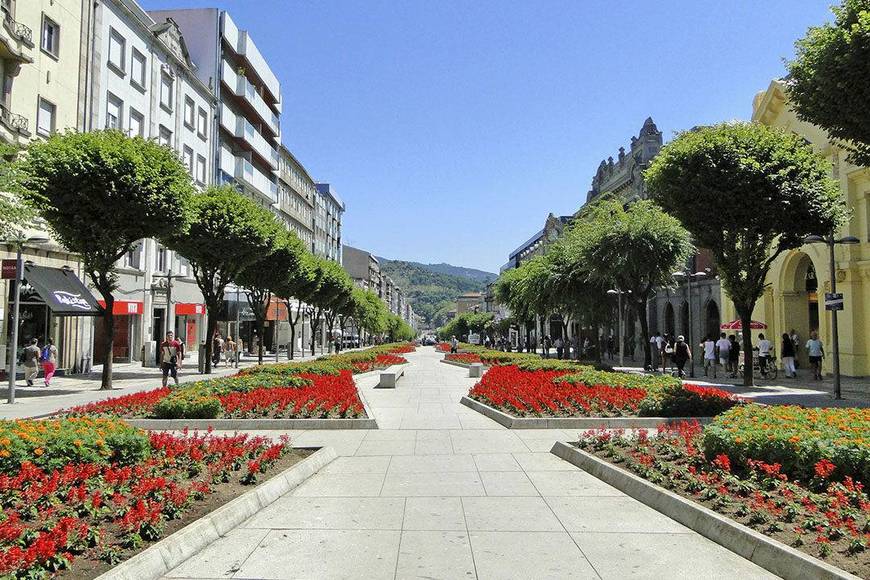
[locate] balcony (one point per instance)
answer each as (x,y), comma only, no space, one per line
(242,45)
(240,128)
(244,172)
(15,127)
(242,88)
(16,42)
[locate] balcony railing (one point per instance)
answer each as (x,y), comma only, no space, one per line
(18,30)
(14,121)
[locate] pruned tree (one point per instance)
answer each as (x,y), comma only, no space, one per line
(228,233)
(102,192)
(827,82)
(748,193)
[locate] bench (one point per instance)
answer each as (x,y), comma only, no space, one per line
(390,377)
(475,370)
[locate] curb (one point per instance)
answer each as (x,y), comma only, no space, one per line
(770,554)
(251,424)
(173,550)
(512,422)
(455,363)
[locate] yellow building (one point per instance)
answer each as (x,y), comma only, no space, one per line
(798,279)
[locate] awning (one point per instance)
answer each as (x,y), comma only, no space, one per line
(738,325)
(124,307)
(233,310)
(189,309)
(62,291)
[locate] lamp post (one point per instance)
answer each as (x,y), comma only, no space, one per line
(689,275)
(13,320)
(831,241)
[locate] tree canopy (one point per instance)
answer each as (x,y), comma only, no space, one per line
(101,192)
(748,193)
(827,83)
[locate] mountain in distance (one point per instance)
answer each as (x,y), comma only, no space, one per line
(432,289)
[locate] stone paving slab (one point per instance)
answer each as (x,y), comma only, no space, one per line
(469,501)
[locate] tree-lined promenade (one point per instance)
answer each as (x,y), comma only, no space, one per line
(101,192)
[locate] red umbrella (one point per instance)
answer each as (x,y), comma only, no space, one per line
(737,325)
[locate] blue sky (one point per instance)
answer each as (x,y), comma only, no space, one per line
(452,128)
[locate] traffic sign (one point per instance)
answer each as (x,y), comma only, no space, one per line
(833,300)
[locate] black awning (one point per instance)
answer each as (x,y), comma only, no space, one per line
(62,291)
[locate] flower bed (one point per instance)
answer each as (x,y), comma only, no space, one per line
(555,393)
(79,491)
(463,357)
(443,347)
(821,515)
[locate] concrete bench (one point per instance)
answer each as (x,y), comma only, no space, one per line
(390,377)
(475,371)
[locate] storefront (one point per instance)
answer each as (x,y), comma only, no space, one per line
(189,323)
(127,340)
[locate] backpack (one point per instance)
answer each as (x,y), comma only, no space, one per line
(45,354)
(681,351)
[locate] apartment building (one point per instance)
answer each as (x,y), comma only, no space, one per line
(297,194)
(328,212)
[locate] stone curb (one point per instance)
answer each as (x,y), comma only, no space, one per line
(512,422)
(455,363)
(759,549)
(251,424)
(173,550)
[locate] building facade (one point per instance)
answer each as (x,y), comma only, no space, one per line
(143,82)
(798,279)
(43,48)
(363,268)
(624,177)
(328,212)
(296,197)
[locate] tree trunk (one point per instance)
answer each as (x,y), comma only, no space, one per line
(291,351)
(109,340)
(212,312)
(644,332)
(745,313)
(261,328)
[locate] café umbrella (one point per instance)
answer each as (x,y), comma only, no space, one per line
(738,325)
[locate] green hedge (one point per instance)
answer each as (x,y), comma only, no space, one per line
(189,403)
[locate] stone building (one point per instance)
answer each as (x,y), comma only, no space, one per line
(624,177)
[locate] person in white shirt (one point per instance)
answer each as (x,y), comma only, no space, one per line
(709,355)
(763,353)
(723,347)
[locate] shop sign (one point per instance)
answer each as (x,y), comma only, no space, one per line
(9,267)
(72,300)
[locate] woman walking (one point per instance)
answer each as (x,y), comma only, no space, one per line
(49,360)
(788,355)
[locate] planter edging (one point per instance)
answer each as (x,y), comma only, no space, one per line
(173,550)
(251,424)
(770,554)
(512,422)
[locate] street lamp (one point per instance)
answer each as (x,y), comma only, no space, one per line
(19,270)
(831,242)
(688,275)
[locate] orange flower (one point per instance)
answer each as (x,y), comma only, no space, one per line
(38,451)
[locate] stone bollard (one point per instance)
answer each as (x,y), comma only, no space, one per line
(475,371)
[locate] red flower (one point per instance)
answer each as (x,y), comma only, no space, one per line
(824,468)
(722,462)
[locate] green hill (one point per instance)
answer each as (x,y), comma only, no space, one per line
(432,289)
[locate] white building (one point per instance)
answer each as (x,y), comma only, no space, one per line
(328,211)
(142,81)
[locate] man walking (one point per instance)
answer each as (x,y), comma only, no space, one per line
(682,354)
(816,352)
(171,354)
(723,349)
(655,348)
(709,355)
(31,361)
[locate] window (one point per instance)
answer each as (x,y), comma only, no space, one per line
(166,83)
(137,70)
(117,51)
(160,259)
(183,266)
(200,169)
(136,128)
(187,158)
(202,123)
(50,42)
(133,259)
(45,116)
(114,110)
(165,136)
(189,113)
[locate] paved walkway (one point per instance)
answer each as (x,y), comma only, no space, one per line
(442,492)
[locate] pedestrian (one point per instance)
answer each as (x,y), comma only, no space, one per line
(559,347)
(796,341)
(682,355)
(723,350)
(764,348)
(709,355)
(48,357)
(171,354)
(231,349)
(586,347)
(655,350)
(788,356)
(667,351)
(547,344)
(816,352)
(454,345)
(31,361)
(733,355)
(217,349)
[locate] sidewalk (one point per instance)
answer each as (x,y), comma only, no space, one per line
(72,390)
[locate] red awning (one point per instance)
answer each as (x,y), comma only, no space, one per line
(737,325)
(124,307)
(189,309)
(277,310)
